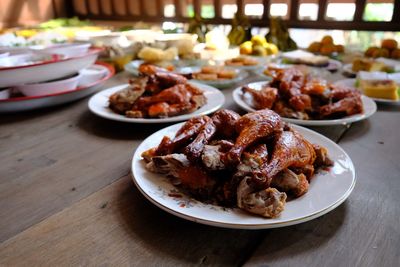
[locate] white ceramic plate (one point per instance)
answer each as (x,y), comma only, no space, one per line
(222,83)
(19,104)
(46,71)
(133,66)
(352,83)
(328,189)
(368,103)
(98,104)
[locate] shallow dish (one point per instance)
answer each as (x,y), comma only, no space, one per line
(92,74)
(99,105)
(25,103)
(133,66)
(68,50)
(51,87)
(352,83)
(46,71)
(221,83)
(368,103)
(328,189)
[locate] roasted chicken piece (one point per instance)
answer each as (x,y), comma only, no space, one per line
(267,202)
(193,150)
(263,98)
(149,69)
(346,102)
(177,94)
(284,110)
(123,100)
(225,121)
(189,176)
(290,150)
(289,182)
(183,137)
(252,128)
(213,153)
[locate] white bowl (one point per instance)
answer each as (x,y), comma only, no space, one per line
(46,71)
(5,94)
(49,88)
(92,74)
(68,50)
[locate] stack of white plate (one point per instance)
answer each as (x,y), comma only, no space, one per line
(34,78)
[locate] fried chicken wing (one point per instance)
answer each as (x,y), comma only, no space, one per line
(251,128)
(193,150)
(346,106)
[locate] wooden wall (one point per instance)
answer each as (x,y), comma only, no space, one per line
(15,13)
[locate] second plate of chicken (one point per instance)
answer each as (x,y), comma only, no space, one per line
(306,99)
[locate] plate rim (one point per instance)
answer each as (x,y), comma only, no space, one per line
(183,117)
(236,95)
(250,226)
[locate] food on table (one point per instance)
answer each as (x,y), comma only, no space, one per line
(279,35)
(304,57)
(386,89)
(252,162)
(379,84)
(325,47)
(157,94)
(151,54)
(366,64)
(213,73)
(258,46)
(292,93)
(389,49)
(241,61)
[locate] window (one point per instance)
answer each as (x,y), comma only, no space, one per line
(308,10)
(187,8)
(228,11)
(340,11)
(378,10)
(207,10)
(254,8)
(169,8)
(279,8)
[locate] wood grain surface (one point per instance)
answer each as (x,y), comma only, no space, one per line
(67,199)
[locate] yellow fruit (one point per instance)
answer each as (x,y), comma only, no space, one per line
(314,47)
(258,40)
(389,44)
(259,50)
(327,40)
(246,48)
(273,49)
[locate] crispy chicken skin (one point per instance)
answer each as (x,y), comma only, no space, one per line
(157,94)
(290,150)
(252,128)
(255,166)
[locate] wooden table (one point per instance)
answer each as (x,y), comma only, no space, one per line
(67,199)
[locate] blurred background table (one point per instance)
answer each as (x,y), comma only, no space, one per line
(67,198)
